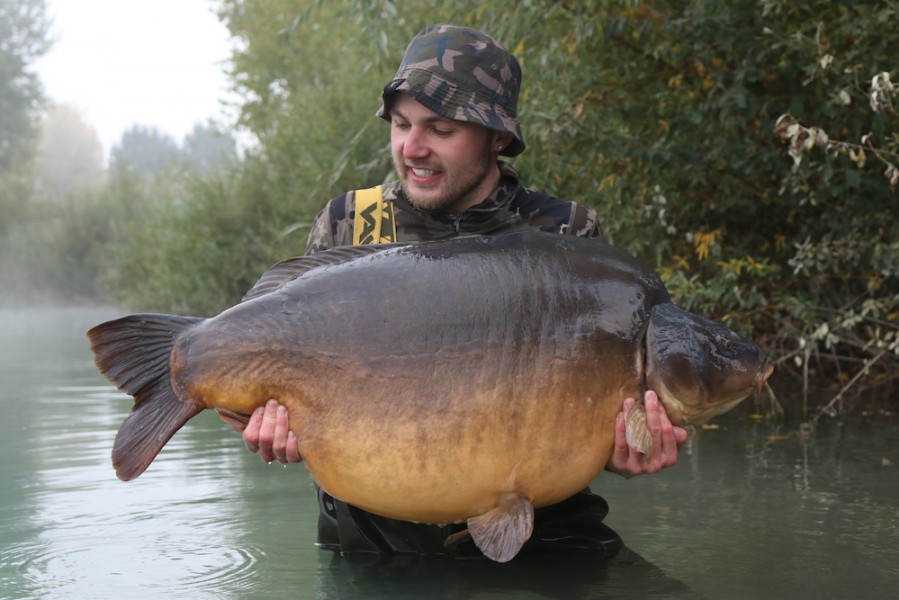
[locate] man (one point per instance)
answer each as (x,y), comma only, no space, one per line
(452,109)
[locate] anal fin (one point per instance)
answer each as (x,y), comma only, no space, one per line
(501,532)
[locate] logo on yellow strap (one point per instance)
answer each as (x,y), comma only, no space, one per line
(374,223)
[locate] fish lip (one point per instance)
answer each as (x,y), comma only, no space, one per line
(762,377)
(766,372)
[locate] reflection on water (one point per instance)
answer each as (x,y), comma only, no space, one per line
(555,576)
(751,511)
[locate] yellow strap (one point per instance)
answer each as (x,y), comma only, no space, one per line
(374,222)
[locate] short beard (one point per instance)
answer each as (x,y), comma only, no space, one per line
(458,190)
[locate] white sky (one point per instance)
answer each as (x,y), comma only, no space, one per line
(155,63)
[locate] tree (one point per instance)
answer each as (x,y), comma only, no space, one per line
(69,157)
(144,150)
(310,76)
(23,39)
(208,146)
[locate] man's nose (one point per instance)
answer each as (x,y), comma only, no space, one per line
(415,145)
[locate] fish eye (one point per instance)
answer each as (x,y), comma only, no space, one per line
(723,341)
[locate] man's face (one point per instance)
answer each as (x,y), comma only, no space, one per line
(442,164)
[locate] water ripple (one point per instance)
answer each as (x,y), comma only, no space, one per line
(74,566)
(86,534)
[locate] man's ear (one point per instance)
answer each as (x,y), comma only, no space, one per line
(501,140)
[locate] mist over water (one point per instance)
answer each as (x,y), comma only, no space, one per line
(750,511)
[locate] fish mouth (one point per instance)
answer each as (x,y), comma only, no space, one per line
(766,372)
(702,413)
(683,413)
(762,378)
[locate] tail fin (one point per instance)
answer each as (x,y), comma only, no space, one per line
(134,353)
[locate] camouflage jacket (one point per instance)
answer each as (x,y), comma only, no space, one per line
(510,206)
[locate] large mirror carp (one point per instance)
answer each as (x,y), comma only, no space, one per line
(470,379)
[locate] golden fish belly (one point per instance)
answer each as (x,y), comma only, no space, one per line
(442,468)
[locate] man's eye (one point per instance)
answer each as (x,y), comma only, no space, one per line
(442,132)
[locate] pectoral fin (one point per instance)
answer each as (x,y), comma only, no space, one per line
(500,533)
(638,435)
(234,419)
(457,538)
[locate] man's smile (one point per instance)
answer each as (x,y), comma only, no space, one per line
(424,176)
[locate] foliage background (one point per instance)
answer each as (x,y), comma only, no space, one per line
(659,114)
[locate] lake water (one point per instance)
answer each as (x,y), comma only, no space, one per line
(750,511)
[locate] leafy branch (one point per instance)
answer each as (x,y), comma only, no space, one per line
(803,139)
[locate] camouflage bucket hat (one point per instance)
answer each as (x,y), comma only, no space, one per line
(464,75)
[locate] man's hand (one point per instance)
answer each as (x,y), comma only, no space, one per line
(268,436)
(666,440)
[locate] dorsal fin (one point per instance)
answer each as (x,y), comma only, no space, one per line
(292,268)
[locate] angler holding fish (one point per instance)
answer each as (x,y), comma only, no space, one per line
(487,421)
